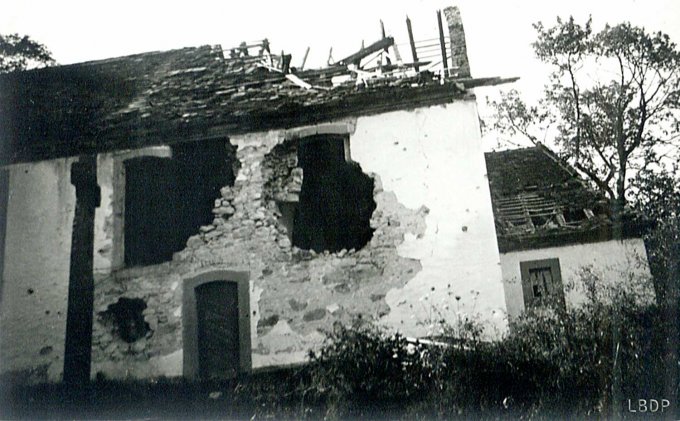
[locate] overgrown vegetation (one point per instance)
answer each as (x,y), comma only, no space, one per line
(586,362)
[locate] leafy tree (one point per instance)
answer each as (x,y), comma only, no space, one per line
(612,106)
(21,52)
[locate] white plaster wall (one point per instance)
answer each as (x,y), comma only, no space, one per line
(37,258)
(614,262)
(433,157)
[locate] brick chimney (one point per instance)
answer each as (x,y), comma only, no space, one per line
(461,66)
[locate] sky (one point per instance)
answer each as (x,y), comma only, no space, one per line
(498,32)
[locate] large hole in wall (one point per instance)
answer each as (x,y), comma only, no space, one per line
(127,318)
(336,199)
(332,208)
(168,199)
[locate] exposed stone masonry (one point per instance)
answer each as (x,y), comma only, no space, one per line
(294,293)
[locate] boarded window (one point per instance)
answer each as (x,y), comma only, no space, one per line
(542,283)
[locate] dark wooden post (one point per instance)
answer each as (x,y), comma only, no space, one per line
(78,347)
(382,32)
(413,44)
(442,43)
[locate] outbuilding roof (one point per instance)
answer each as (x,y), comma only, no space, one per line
(539,200)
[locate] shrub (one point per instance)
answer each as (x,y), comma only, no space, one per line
(553,363)
(363,369)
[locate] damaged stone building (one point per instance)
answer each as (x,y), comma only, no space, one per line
(233,207)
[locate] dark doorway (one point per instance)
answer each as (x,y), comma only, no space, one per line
(218,329)
(168,199)
(336,199)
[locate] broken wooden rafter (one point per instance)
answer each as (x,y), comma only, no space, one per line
(389,67)
(304,60)
(376,46)
(485,81)
(330,60)
(283,71)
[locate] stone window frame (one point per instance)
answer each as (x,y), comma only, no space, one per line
(345,128)
(190,368)
(552,264)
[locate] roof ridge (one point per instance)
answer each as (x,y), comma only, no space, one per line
(109,60)
(566,166)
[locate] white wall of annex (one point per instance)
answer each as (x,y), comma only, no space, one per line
(613,262)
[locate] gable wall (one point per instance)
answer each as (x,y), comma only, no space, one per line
(434,240)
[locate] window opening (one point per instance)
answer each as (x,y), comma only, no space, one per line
(168,199)
(574,216)
(542,283)
(336,198)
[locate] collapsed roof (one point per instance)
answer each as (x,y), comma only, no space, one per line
(539,201)
(199,93)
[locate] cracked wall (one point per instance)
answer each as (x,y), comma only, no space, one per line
(432,239)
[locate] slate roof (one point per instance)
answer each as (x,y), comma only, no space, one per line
(181,95)
(539,201)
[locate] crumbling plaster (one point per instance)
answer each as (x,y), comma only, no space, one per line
(613,262)
(433,250)
(293,293)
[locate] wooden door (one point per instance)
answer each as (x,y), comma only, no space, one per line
(218,329)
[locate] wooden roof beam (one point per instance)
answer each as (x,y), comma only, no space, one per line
(375,47)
